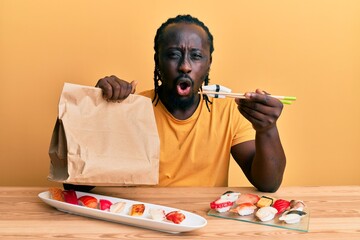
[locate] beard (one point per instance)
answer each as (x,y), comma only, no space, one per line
(182,103)
(172,100)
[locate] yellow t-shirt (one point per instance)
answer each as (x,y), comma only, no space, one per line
(196,151)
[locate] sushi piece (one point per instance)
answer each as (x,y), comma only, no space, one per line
(88,201)
(70,197)
(265,202)
(247,197)
(231,196)
(56,194)
(266,213)
(157,214)
(137,210)
(297,205)
(281,205)
(292,216)
(175,216)
(244,209)
(117,207)
(104,204)
(221,205)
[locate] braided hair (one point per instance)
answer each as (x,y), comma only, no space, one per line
(157,41)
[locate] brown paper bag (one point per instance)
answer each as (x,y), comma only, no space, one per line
(102,143)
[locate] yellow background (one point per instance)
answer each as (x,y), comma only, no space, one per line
(306,48)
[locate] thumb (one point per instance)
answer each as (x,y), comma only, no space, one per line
(133,86)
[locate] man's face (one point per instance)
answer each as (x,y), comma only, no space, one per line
(184,61)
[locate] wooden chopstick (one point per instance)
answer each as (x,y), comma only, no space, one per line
(283,99)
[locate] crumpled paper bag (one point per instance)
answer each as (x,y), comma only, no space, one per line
(101,143)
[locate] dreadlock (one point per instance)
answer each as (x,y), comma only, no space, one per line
(157,41)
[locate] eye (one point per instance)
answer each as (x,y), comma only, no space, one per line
(196,56)
(174,54)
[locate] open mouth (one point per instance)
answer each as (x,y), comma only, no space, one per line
(183,87)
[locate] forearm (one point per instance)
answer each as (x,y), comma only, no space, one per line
(269,162)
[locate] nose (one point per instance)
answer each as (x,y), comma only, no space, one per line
(185,66)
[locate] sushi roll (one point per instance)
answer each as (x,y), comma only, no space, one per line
(244,209)
(117,207)
(175,216)
(266,213)
(157,214)
(137,210)
(221,205)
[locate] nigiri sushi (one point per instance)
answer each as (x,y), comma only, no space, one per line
(230,195)
(70,197)
(56,194)
(248,197)
(221,205)
(292,216)
(266,213)
(281,205)
(297,205)
(88,201)
(244,209)
(265,202)
(104,204)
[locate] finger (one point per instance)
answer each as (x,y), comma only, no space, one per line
(115,88)
(125,90)
(105,87)
(133,86)
(258,119)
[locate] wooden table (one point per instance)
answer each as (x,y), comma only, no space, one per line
(335,214)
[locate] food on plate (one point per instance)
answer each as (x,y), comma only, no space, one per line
(244,209)
(175,216)
(248,197)
(56,194)
(221,205)
(266,213)
(117,207)
(157,214)
(88,201)
(137,210)
(104,204)
(265,202)
(230,195)
(292,216)
(297,205)
(281,205)
(70,196)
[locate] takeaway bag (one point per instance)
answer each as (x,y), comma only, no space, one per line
(101,143)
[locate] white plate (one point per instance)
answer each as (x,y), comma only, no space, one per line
(192,221)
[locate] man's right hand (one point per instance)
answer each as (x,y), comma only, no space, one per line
(115,89)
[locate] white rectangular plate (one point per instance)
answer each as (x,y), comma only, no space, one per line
(192,221)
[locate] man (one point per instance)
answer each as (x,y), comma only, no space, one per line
(198,133)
